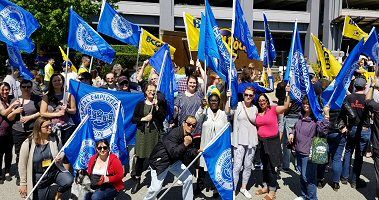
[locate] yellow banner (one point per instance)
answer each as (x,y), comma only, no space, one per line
(65,58)
(149,44)
(329,64)
(192,26)
(351,30)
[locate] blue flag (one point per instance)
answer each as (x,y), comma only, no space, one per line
(299,80)
(15,60)
(116,26)
(101,105)
(82,37)
(82,147)
(220,59)
(242,32)
(335,93)
(269,51)
(118,141)
(16,26)
(167,78)
(371,46)
(218,157)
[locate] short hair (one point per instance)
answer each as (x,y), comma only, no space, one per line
(85,58)
(189,116)
(24,81)
(105,141)
(214,95)
(193,77)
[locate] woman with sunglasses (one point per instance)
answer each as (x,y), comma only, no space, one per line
(36,155)
(244,137)
(269,142)
(6,141)
(149,116)
(23,117)
(106,172)
(213,120)
(54,107)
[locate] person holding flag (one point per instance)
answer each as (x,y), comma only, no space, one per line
(106,172)
(269,142)
(149,116)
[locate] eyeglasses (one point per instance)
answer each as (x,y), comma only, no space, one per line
(248,95)
(262,100)
(47,126)
(26,87)
(102,147)
(191,125)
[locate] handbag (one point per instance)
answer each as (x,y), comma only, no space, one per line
(319,150)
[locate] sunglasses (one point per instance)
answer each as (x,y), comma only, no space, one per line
(102,147)
(47,126)
(26,86)
(249,95)
(191,125)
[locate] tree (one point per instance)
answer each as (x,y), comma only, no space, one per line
(53,16)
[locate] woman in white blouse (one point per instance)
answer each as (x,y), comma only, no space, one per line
(244,137)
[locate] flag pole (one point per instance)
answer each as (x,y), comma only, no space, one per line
(139,46)
(62,149)
(231,48)
(206,77)
(186,28)
(65,100)
(90,65)
(213,140)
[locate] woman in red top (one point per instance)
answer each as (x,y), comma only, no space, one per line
(106,172)
(269,142)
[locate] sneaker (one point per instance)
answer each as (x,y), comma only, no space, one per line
(320,184)
(180,183)
(344,180)
(246,193)
(335,186)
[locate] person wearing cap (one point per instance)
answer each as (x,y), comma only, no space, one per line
(123,84)
(358,136)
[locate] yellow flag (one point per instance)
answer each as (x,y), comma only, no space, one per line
(351,30)
(264,77)
(65,58)
(329,65)
(192,26)
(149,44)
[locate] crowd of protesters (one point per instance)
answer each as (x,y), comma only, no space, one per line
(36,120)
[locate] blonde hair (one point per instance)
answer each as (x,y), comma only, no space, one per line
(37,134)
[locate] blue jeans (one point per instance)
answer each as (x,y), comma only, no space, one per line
(356,140)
(106,192)
(336,142)
(288,124)
(308,177)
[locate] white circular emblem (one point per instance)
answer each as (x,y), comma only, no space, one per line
(224,172)
(101,108)
(86,151)
(298,81)
(12,55)
(121,27)
(84,39)
(375,52)
(12,25)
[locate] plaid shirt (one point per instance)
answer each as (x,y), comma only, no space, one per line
(182,84)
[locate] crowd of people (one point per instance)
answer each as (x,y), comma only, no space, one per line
(36,118)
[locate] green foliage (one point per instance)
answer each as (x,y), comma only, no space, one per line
(53,16)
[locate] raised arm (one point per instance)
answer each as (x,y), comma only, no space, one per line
(284,108)
(140,73)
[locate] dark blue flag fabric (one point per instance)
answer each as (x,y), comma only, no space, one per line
(371,46)
(242,32)
(82,37)
(221,61)
(335,93)
(82,147)
(218,158)
(101,105)
(15,60)
(167,78)
(269,51)
(116,26)
(16,26)
(118,141)
(299,80)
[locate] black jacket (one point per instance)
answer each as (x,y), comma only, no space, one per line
(171,149)
(158,115)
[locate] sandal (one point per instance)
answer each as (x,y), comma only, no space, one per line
(260,192)
(267,197)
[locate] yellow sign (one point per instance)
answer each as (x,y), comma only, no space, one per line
(329,65)
(149,44)
(351,30)
(192,26)
(65,58)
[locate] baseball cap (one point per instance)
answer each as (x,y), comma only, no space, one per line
(360,82)
(122,79)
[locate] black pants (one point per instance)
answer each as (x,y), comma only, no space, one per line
(18,139)
(6,144)
(138,167)
(269,173)
(204,180)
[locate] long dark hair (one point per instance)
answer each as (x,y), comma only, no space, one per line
(51,91)
(306,101)
(267,100)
